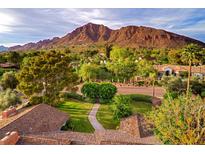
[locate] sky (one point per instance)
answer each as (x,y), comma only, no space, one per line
(20,26)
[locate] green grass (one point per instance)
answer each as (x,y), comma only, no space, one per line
(78,112)
(141,104)
(141,107)
(105,117)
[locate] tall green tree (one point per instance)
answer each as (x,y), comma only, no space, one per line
(122,63)
(147,70)
(14,57)
(46,75)
(192,54)
(93,72)
(89,72)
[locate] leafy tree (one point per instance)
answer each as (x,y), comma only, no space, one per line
(2,58)
(13,57)
(144,68)
(147,70)
(106,92)
(100,93)
(122,69)
(174,57)
(122,106)
(122,63)
(91,90)
(179,121)
(120,53)
(89,72)
(46,75)
(93,72)
(9,80)
(108,49)
(192,53)
(8,98)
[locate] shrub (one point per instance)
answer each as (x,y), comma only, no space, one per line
(9,80)
(183,74)
(176,85)
(36,100)
(106,91)
(74,96)
(90,90)
(103,92)
(180,121)
(1,71)
(171,95)
(197,87)
(203,94)
(140,83)
(122,106)
(8,98)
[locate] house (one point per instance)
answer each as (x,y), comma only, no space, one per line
(176,70)
(35,119)
(9,65)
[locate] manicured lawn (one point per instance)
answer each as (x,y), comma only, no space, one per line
(141,104)
(78,112)
(105,117)
(141,107)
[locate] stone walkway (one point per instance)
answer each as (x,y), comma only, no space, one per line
(92,118)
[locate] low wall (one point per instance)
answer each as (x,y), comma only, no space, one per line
(33,140)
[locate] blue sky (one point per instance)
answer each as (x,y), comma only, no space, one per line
(19,26)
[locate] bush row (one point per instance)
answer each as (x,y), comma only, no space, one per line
(99,92)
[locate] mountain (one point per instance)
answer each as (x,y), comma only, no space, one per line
(3,48)
(130,36)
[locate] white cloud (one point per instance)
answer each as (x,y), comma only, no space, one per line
(26,25)
(11,44)
(6,21)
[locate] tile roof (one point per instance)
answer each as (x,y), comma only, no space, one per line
(178,68)
(39,118)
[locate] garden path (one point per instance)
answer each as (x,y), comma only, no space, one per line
(92,118)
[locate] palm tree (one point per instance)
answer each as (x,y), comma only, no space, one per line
(191,54)
(153,76)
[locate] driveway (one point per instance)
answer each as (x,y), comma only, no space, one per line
(159,91)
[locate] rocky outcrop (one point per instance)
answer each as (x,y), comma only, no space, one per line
(130,36)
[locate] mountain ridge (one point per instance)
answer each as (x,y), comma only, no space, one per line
(128,36)
(3,48)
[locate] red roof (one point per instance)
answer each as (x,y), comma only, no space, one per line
(180,68)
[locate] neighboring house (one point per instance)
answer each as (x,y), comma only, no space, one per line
(176,70)
(8,65)
(35,119)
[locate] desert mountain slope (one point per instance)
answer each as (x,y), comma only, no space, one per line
(130,36)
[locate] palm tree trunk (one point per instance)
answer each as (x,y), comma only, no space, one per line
(188,80)
(153,88)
